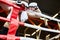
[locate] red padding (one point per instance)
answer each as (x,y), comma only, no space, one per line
(13,27)
(15,13)
(13,24)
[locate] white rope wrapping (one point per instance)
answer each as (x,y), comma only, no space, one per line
(26,38)
(57,36)
(41,28)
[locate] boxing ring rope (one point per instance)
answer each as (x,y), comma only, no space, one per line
(28,25)
(21,38)
(14,23)
(55,37)
(32,26)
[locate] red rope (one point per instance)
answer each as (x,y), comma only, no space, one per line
(8,20)
(4,37)
(9,3)
(4,19)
